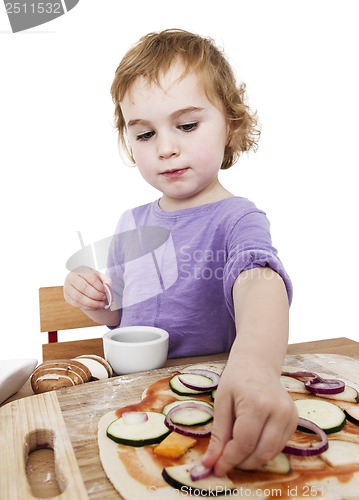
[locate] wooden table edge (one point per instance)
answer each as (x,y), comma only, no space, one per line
(340,345)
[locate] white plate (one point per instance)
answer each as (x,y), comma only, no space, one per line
(13,375)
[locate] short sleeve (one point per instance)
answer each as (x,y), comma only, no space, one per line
(250,246)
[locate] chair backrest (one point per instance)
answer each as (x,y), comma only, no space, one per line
(56,314)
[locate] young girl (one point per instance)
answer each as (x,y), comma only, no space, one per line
(198,262)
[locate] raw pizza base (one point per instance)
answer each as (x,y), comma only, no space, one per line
(123,481)
(136,472)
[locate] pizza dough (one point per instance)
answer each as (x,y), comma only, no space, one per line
(136,473)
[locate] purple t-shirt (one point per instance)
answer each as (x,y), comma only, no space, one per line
(175,270)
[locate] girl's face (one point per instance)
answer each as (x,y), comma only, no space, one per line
(177,137)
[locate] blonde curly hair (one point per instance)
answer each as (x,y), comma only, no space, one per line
(152,57)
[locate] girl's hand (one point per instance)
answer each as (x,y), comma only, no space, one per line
(253,420)
(84,288)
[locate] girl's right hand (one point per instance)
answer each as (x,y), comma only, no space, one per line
(84,288)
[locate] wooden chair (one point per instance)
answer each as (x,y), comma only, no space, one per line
(55,315)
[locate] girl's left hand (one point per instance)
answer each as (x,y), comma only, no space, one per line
(253,420)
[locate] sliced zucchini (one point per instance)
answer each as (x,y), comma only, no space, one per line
(213,394)
(152,431)
(189,416)
(341,453)
(352,414)
(349,394)
(293,384)
(177,386)
(178,476)
(327,415)
(279,465)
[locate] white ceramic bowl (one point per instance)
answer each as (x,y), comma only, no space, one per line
(132,349)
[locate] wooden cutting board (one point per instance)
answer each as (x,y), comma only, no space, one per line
(66,421)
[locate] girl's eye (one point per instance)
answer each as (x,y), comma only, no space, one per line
(189,127)
(145,136)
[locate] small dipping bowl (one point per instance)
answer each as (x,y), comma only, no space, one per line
(133,349)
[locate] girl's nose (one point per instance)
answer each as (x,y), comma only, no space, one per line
(167,147)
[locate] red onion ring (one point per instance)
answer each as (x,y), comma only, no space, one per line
(184,430)
(325,386)
(317,384)
(199,471)
(214,377)
(317,449)
(109,296)
(134,417)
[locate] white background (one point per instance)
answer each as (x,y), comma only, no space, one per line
(61,171)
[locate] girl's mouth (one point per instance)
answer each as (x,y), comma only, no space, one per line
(175,173)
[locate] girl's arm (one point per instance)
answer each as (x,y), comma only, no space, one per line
(254,415)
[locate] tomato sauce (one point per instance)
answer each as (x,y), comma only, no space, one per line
(309,477)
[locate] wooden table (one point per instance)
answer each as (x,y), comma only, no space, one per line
(40,465)
(341,345)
